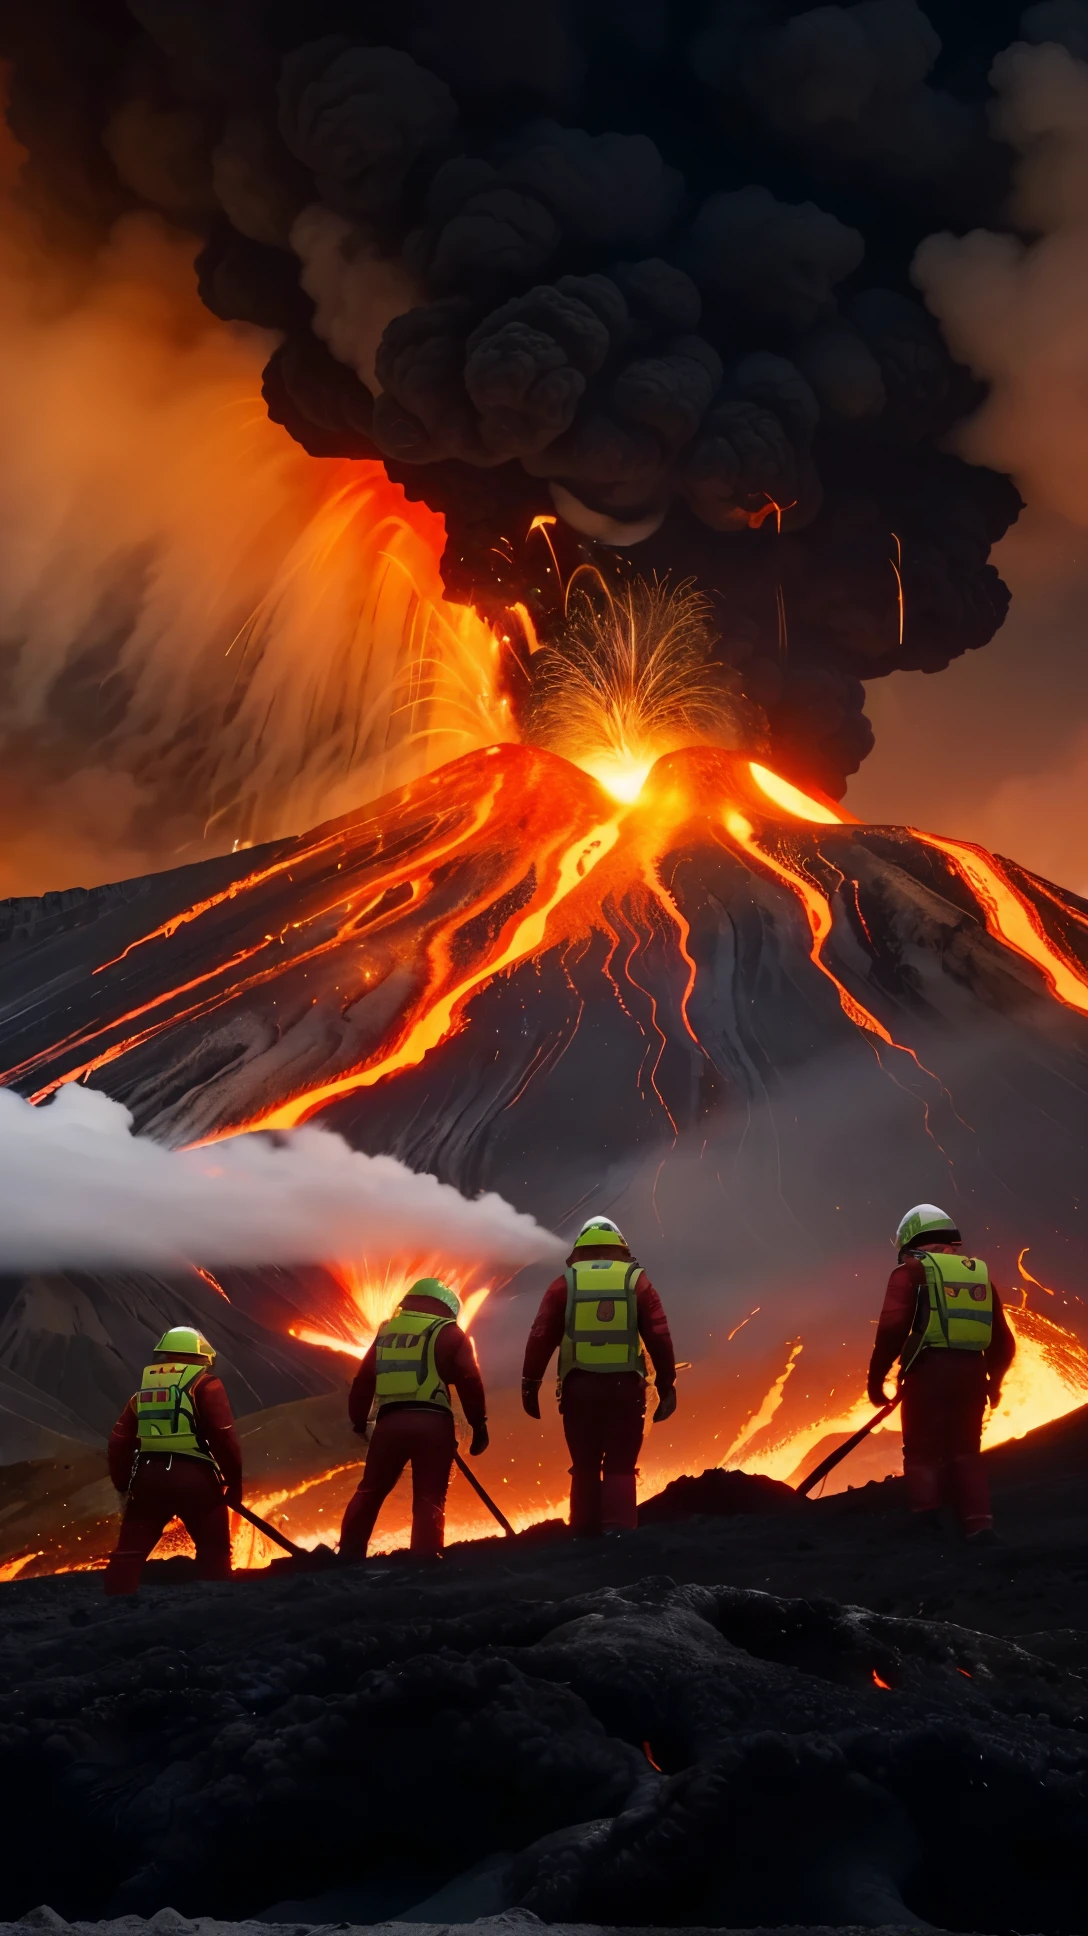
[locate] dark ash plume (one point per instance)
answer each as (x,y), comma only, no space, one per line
(644,271)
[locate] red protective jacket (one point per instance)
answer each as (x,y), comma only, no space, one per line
(905,1285)
(550,1322)
(215,1418)
(455,1363)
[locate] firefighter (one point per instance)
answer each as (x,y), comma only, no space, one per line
(175,1453)
(596,1313)
(417,1355)
(943,1320)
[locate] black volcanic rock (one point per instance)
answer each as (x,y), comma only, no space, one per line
(608,1746)
(719,1493)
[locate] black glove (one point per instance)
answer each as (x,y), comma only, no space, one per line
(362,1431)
(530,1396)
(666,1404)
(995,1396)
(876,1393)
(233,1496)
(480,1442)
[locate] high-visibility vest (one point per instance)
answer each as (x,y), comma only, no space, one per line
(165,1418)
(601,1330)
(956,1309)
(407,1373)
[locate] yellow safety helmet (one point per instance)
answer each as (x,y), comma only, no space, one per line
(434,1287)
(185,1341)
(925,1220)
(599,1232)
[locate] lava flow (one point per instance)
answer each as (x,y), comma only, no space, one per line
(496,859)
(508,975)
(368,1298)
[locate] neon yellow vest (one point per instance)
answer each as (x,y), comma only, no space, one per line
(959,1314)
(406,1367)
(165,1419)
(601,1332)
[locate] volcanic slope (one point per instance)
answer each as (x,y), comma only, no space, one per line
(448,974)
(677,1727)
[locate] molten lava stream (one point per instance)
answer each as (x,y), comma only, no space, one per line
(1011,919)
(1048,1379)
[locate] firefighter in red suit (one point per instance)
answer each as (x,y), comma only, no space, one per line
(943,1320)
(175,1452)
(418,1354)
(595,1314)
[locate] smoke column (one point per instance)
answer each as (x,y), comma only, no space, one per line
(644,273)
(78,1190)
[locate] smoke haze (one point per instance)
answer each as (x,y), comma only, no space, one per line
(205,635)
(78,1190)
(647,275)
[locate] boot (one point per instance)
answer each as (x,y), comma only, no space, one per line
(585,1504)
(619,1509)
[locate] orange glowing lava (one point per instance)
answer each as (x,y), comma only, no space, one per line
(1011,919)
(1047,1380)
(370,1296)
(817,909)
(804,805)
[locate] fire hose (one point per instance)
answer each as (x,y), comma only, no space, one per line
(842,1451)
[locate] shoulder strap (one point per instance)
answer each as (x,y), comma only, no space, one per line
(198,1433)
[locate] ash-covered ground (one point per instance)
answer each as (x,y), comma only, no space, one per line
(815,1715)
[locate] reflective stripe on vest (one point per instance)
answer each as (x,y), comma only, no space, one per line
(165,1418)
(958,1306)
(405,1359)
(601,1332)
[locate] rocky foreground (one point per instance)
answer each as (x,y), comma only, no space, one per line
(818,1718)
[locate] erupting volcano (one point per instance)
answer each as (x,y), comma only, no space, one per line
(722,1005)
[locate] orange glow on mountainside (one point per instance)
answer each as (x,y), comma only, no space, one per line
(1012,920)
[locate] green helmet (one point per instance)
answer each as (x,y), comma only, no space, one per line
(925,1220)
(599,1232)
(433,1287)
(185,1341)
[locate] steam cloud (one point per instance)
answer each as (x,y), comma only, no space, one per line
(645,270)
(78,1190)
(1015,309)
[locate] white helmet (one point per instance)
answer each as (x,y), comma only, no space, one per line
(925,1220)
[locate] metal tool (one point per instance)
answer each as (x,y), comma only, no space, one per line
(841,1451)
(485,1496)
(311,1556)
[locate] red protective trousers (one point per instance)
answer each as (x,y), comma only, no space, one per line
(604,1415)
(944,1401)
(403,1434)
(166,1487)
